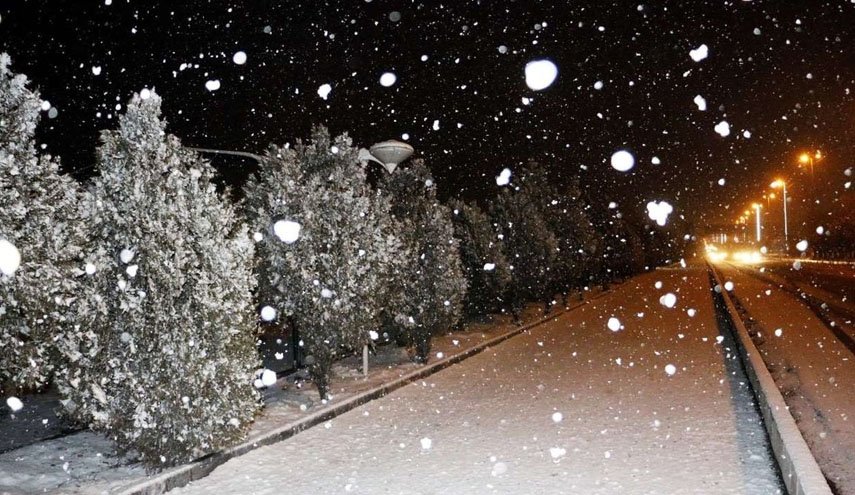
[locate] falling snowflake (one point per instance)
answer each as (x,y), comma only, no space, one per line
(802,245)
(324,91)
(699,53)
(268,377)
(489,267)
(14,403)
(613,324)
(557,417)
(622,161)
(659,211)
(668,300)
(212,85)
(427,443)
(504,177)
(670,369)
(268,313)
(126,255)
(723,128)
(239,58)
(540,74)
(388,79)
(287,231)
(10,258)
(701,103)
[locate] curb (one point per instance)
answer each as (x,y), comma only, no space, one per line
(799,469)
(198,469)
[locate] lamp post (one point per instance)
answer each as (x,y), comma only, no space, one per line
(808,159)
(389,154)
(783,185)
(757,207)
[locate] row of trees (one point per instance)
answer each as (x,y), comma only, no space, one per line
(139,294)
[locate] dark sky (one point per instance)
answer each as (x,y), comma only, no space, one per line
(782,70)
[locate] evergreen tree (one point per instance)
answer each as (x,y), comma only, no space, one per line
(622,250)
(327,247)
(530,246)
(37,217)
(164,356)
(433,286)
(484,264)
(564,211)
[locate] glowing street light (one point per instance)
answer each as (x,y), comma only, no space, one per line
(757,207)
(781,183)
(810,158)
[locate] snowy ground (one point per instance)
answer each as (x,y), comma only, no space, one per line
(569,407)
(814,371)
(86,463)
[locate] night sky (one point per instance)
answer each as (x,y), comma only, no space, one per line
(782,71)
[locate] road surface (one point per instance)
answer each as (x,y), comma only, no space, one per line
(568,407)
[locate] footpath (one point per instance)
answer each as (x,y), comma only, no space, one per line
(637,391)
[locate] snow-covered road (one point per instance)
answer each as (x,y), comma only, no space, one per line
(813,369)
(569,407)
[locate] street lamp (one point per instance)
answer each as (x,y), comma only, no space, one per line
(389,154)
(783,185)
(809,158)
(757,207)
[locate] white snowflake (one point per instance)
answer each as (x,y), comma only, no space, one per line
(622,161)
(540,74)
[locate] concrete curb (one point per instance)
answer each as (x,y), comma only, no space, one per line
(800,471)
(182,475)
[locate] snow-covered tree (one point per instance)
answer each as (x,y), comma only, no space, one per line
(164,356)
(530,246)
(484,264)
(430,299)
(621,252)
(39,229)
(327,248)
(564,211)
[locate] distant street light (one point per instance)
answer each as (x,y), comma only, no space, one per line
(757,207)
(780,183)
(810,158)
